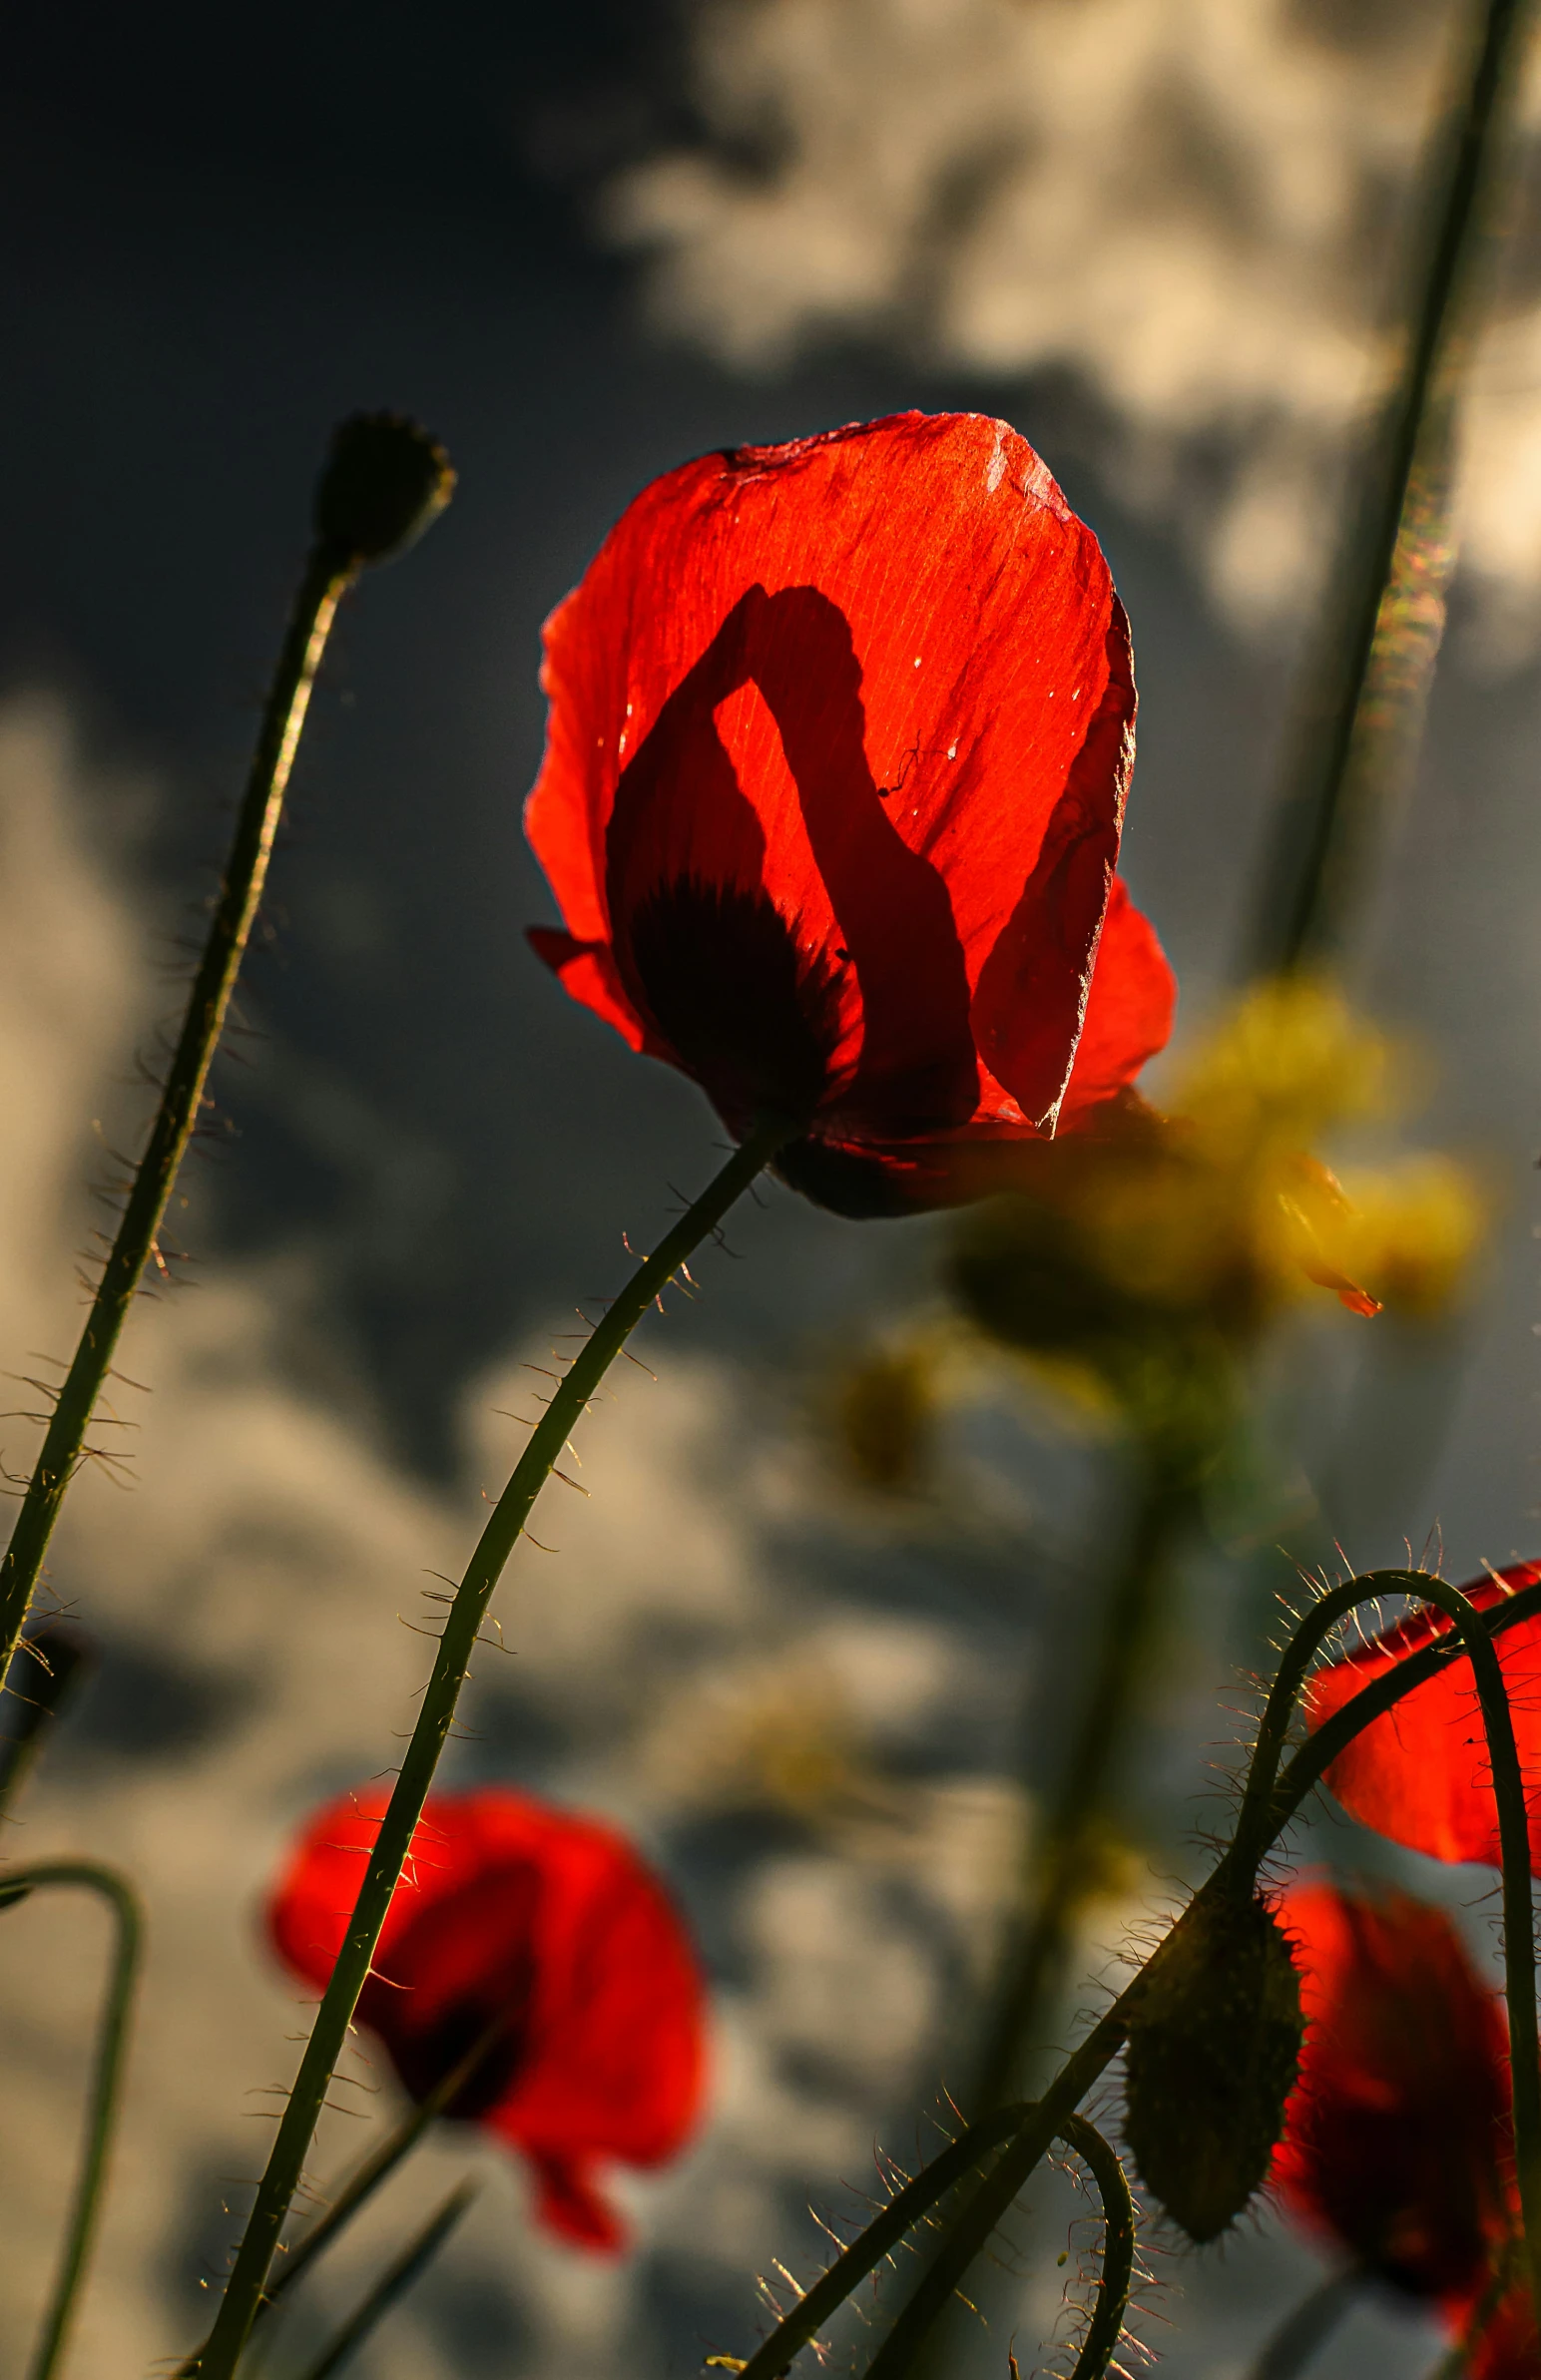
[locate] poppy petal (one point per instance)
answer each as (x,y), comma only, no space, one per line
(541,1934)
(839,743)
(1419,1775)
(1129,1010)
(1396,2132)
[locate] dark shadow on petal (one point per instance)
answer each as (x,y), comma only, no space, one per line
(725,985)
(681,819)
(465,1961)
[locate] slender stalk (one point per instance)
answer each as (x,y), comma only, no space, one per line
(376,2167)
(324,581)
(1385,630)
(1065,1872)
(393,2284)
(1236,1871)
(106,2086)
(56,1654)
(1308,2326)
(217,2358)
(1117,2247)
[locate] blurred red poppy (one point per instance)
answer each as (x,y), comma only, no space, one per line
(1420,1773)
(839,738)
(546,1931)
(1396,2136)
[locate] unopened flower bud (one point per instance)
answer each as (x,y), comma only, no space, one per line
(384,480)
(1212,2058)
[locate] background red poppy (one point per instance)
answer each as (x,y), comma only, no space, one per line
(511,1913)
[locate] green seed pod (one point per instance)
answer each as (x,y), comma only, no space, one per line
(1212,2058)
(384,480)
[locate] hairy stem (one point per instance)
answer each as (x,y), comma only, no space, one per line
(217,2358)
(1236,1871)
(326,579)
(106,2086)
(393,2284)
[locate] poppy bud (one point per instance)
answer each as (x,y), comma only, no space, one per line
(1211,2057)
(384,480)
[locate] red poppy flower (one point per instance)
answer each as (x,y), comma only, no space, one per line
(509,1910)
(1397,2133)
(839,736)
(1420,1773)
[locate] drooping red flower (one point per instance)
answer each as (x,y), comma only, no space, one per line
(512,1912)
(1420,1773)
(839,738)
(1396,2136)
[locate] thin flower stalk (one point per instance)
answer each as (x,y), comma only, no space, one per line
(383,481)
(393,2284)
(1307,2327)
(1236,1871)
(217,2358)
(106,2086)
(1383,632)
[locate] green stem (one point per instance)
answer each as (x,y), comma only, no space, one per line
(376,2167)
(55,1655)
(1513,1840)
(326,579)
(1397,563)
(879,2239)
(1066,1870)
(1117,2247)
(217,2358)
(1236,1870)
(1306,2327)
(393,2284)
(105,2084)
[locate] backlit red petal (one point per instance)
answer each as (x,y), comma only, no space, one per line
(1419,1775)
(1129,1010)
(876,682)
(547,1925)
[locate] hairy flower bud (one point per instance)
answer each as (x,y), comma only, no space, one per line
(383,482)
(1212,2058)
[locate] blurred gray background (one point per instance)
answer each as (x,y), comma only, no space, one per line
(1161,240)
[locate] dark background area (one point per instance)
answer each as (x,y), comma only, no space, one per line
(233,228)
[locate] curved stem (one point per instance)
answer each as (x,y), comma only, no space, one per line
(1117,2247)
(217,2358)
(326,579)
(880,2237)
(1303,2330)
(394,2283)
(106,2084)
(1236,1870)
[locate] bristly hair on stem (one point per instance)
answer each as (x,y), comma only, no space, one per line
(218,2357)
(382,482)
(1273,1797)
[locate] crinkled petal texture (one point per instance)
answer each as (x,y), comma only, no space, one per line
(1420,1773)
(548,1927)
(839,739)
(1397,2139)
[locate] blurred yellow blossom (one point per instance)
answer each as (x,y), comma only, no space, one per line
(1149,1256)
